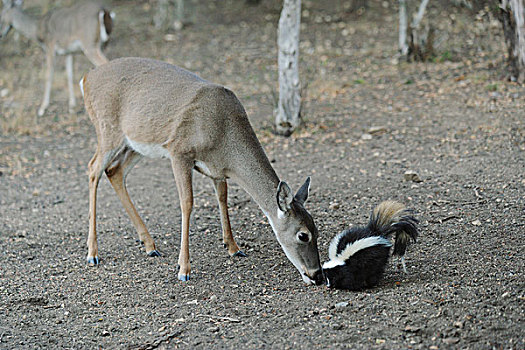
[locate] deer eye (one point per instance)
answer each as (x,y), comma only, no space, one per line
(303,236)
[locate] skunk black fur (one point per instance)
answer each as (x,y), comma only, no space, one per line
(358,256)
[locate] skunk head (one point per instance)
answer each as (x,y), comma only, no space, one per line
(337,276)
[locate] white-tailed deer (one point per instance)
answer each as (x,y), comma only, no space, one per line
(80,28)
(142,107)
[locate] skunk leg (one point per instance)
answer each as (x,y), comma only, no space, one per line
(404,264)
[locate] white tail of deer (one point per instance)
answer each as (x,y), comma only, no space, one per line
(141,107)
(81,28)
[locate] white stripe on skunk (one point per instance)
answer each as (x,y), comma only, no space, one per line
(352,248)
(358,256)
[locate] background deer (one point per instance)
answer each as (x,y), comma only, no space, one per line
(142,107)
(81,28)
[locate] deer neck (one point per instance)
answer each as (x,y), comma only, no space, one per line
(25,24)
(257,177)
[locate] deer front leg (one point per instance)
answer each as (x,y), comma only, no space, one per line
(50,66)
(182,170)
(69,70)
(221,190)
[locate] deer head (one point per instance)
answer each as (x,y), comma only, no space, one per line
(5,17)
(296,232)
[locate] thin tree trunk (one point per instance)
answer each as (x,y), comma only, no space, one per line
(420,46)
(179,15)
(160,18)
(420,14)
(403,47)
(288,112)
(512,18)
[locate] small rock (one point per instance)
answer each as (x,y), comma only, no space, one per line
(334,206)
(504,295)
(412,329)
(170,37)
(105,333)
(213,329)
(380,341)
(341,305)
(162,329)
(411,175)
(213,298)
(4,92)
(451,340)
(366,136)
(495,95)
(377,130)
(337,326)
(178,25)
(476,223)
(458,324)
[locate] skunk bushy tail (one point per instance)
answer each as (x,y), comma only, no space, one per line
(391,217)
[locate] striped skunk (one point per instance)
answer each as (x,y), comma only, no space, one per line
(358,255)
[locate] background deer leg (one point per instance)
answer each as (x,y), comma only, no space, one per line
(221,190)
(50,66)
(182,170)
(116,173)
(69,70)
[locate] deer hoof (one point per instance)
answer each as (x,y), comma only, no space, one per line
(240,253)
(184,278)
(154,253)
(92,261)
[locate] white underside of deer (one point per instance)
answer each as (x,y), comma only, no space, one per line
(143,107)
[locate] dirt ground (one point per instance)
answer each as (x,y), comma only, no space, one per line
(455,121)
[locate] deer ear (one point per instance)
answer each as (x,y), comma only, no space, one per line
(284,197)
(302,194)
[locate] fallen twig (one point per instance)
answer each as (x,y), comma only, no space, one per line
(235,320)
(156,343)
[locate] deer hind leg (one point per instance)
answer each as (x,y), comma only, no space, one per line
(50,67)
(96,167)
(95,171)
(69,70)
(116,173)
(182,170)
(221,190)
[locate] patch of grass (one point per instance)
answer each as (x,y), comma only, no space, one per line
(491,87)
(445,56)
(359,81)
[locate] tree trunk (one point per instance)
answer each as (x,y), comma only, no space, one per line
(179,15)
(161,16)
(288,112)
(403,47)
(512,17)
